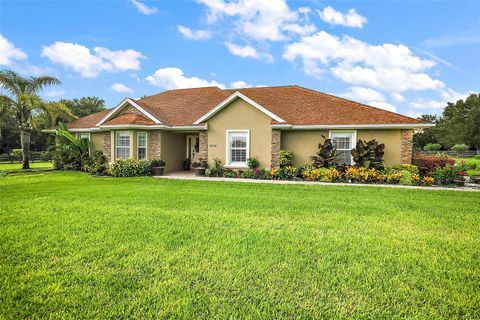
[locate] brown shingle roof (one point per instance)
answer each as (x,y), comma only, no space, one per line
(130,118)
(88,121)
(296,105)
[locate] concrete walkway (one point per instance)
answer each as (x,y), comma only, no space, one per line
(190,175)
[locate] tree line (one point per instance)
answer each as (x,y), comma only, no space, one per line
(458,124)
(23,114)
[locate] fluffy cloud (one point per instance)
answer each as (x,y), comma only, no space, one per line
(387,66)
(143,8)
(383,105)
(174,78)
(247,52)
(239,84)
(8,52)
(363,94)
(120,87)
(398,97)
(89,64)
(258,19)
(370,97)
(447,95)
(194,35)
(350,19)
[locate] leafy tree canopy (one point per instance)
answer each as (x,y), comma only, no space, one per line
(84,106)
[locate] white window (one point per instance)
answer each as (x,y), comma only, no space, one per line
(343,141)
(141,145)
(122,144)
(237,147)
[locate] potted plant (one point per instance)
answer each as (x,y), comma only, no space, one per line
(199,168)
(157,167)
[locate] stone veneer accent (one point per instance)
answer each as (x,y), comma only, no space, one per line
(107,146)
(406,146)
(154,145)
(203,146)
(276,141)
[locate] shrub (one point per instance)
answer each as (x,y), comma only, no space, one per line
(445,174)
(393,177)
(16,153)
(477,156)
(326,154)
(428,181)
(362,174)
(406,178)
(432,147)
(332,174)
(229,173)
(313,174)
(460,147)
(427,164)
(287,173)
(248,174)
(252,163)
(262,174)
(208,172)
(413,169)
(368,154)
(97,165)
(45,156)
(129,168)
(286,158)
(217,169)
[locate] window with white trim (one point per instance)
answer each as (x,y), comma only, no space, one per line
(141,145)
(238,145)
(343,142)
(122,144)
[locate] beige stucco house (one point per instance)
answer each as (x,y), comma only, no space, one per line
(235,124)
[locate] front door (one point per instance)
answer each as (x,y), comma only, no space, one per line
(193,148)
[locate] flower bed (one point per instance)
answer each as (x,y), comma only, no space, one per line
(442,174)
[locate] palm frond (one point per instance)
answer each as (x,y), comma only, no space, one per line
(38,83)
(11,81)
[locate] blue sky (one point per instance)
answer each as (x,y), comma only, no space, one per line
(406,56)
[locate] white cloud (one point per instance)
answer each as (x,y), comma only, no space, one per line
(247,52)
(389,67)
(174,78)
(383,105)
(143,8)
(89,64)
(120,87)
(447,95)
(53,93)
(8,52)
(363,94)
(398,97)
(258,19)
(194,35)
(239,84)
(350,19)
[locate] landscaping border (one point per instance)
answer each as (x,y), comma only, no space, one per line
(244,180)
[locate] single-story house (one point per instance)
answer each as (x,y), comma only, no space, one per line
(235,124)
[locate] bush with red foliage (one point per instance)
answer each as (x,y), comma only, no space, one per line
(427,164)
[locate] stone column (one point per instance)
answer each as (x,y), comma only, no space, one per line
(276,142)
(203,145)
(107,146)
(406,146)
(155,145)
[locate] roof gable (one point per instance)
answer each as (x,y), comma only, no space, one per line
(231,98)
(123,104)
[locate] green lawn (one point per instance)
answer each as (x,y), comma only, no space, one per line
(74,246)
(17,166)
(470,161)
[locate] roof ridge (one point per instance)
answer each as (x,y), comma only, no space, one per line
(363,105)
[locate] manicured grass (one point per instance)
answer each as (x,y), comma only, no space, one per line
(74,246)
(470,161)
(18,166)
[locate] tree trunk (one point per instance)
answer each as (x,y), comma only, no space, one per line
(25,143)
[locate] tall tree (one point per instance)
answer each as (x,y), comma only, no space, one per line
(460,122)
(84,106)
(22,102)
(427,135)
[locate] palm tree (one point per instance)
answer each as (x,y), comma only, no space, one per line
(22,103)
